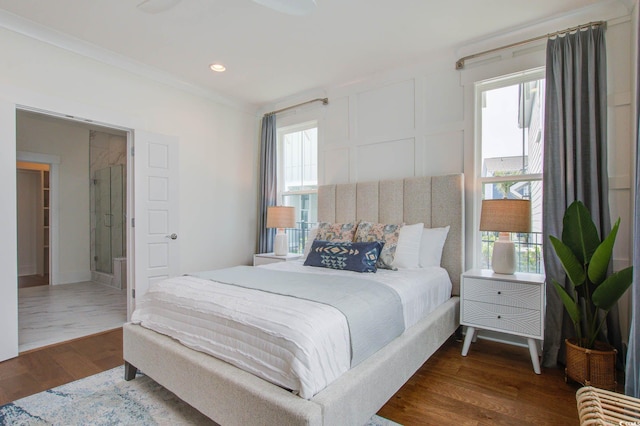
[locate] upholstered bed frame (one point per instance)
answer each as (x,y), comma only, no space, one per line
(231,396)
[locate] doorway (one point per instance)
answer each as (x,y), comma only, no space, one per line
(32,180)
(78,302)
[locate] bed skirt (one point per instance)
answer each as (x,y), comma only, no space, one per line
(231,396)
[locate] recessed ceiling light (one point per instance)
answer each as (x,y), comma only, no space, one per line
(217,67)
(290,7)
(157,6)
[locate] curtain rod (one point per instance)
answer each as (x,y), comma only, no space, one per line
(460,62)
(324,101)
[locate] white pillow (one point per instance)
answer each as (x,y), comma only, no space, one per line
(408,248)
(307,245)
(431,246)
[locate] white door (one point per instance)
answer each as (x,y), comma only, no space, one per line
(155,210)
(8,230)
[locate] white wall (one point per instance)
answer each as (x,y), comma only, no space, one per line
(218,152)
(8,227)
(71,144)
(218,149)
(419,120)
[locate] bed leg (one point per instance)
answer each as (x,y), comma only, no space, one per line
(129,371)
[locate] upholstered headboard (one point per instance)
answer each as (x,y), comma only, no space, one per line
(434,200)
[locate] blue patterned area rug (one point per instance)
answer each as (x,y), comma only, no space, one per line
(107,399)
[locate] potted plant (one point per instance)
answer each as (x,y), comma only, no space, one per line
(585,259)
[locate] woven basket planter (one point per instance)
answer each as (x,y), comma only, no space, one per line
(591,367)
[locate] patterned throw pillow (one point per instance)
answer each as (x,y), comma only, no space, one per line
(357,257)
(341,232)
(387,234)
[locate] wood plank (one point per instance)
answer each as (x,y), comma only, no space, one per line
(41,369)
(493,385)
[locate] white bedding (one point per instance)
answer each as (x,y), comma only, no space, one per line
(297,344)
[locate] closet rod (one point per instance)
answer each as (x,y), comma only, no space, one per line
(460,62)
(324,101)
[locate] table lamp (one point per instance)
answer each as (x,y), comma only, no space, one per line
(281,217)
(505,216)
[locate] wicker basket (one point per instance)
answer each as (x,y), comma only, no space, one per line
(591,367)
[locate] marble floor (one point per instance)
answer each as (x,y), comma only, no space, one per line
(53,314)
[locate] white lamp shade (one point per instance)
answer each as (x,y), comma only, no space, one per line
(506,215)
(281,217)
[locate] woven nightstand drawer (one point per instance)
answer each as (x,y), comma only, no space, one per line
(502,318)
(520,295)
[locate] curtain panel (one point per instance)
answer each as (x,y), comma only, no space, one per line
(575,163)
(632,373)
(268,181)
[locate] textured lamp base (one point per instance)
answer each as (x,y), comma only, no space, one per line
(503,260)
(280,245)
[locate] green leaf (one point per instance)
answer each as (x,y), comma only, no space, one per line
(602,256)
(612,289)
(572,266)
(570,305)
(579,232)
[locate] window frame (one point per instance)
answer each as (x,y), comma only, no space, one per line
(537,73)
(280,132)
(300,234)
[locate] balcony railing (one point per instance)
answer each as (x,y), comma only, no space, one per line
(528,251)
(298,236)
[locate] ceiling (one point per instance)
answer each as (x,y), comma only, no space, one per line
(269,55)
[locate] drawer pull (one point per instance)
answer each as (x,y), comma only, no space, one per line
(499,292)
(499,317)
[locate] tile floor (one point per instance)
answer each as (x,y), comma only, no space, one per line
(53,314)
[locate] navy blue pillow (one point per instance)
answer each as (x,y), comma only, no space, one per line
(357,257)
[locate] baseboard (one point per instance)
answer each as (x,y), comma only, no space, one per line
(27,270)
(74,277)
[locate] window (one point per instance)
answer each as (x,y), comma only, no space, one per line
(298,178)
(510,113)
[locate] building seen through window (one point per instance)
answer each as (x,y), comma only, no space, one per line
(298,178)
(511,113)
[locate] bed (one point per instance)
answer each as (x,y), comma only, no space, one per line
(232,396)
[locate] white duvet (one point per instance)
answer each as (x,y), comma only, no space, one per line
(297,344)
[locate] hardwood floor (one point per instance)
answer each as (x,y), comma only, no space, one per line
(493,385)
(51,366)
(33,281)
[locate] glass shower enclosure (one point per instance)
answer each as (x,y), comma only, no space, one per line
(109,210)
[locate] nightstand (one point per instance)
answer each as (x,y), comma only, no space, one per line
(266,258)
(512,304)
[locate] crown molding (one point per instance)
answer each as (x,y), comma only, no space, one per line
(602,11)
(28,28)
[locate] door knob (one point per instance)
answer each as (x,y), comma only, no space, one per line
(173,236)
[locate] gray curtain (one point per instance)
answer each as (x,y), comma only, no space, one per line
(575,163)
(268,181)
(632,377)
